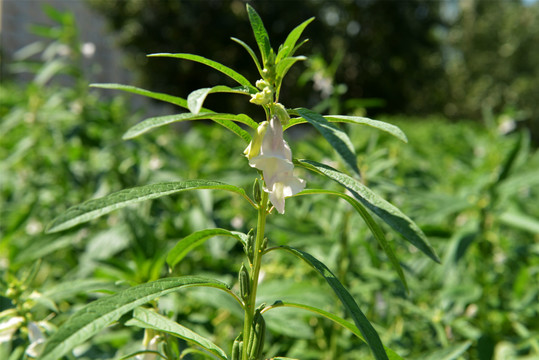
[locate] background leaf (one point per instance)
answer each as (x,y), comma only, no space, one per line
(386,211)
(97,207)
(99,314)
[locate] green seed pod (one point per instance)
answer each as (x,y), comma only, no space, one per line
(264,244)
(249,246)
(237,348)
(257,191)
(257,336)
(245,283)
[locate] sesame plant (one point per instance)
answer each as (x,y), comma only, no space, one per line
(268,159)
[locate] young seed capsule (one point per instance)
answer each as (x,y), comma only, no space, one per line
(257,336)
(245,283)
(257,192)
(237,348)
(249,245)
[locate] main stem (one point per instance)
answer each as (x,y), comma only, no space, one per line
(255,271)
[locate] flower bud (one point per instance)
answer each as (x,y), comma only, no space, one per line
(279,110)
(263,97)
(256,143)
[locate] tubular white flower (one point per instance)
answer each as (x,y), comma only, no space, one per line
(275,161)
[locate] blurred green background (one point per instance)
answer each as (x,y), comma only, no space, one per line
(459,77)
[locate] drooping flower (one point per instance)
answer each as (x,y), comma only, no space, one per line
(274,159)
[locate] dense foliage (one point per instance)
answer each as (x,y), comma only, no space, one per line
(473,189)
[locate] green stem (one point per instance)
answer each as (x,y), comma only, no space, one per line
(255,272)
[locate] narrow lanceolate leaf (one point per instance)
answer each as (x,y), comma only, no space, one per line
(369,334)
(226,120)
(251,52)
(335,136)
(336,319)
(261,35)
(188,243)
(380,125)
(135,90)
(386,211)
(197,97)
(97,207)
(214,64)
(99,314)
(373,226)
(285,64)
(148,319)
(290,42)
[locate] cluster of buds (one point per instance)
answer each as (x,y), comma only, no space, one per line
(265,95)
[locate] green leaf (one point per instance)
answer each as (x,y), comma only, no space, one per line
(261,35)
(148,319)
(449,353)
(214,64)
(291,39)
(197,97)
(380,125)
(251,52)
(362,323)
(386,211)
(373,226)
(182,248)
(284,65)
(336,319)
(97,207)
(226,120)
(99,314)
(153,95)
(336,137)
(519,220)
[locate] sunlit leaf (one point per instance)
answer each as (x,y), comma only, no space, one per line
(148,319)
(251,52)
(226,120)
(362,323)
(99,314)
(290,42)
(260,33)
(97,207)
(380,125)
(386,211)
(182,247)
(151,94)
(197,97)
(214,64)
(334,136)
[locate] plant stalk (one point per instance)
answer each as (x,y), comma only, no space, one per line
(255,272)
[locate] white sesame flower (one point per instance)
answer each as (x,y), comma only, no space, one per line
(274,158)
